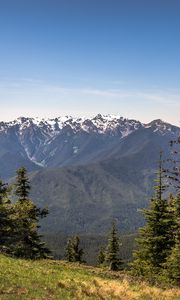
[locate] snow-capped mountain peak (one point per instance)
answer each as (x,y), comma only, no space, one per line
(101,124)
(54,141)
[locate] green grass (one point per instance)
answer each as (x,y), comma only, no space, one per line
(46,279)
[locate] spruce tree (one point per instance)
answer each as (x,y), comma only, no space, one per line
(73,253)
(22,185)
(28,242)
(6,222)
(174,210)
(173,174)
(155,239)
(101,256)
(172,265)
(69,251)
(112,250)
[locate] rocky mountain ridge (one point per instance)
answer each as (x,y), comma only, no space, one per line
(102,124)
(65,141)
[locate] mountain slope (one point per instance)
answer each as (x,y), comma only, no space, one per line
(87,172)
(67,141)
(87,198)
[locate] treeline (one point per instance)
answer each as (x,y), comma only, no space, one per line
(158,244)
(91,244)
(107,256)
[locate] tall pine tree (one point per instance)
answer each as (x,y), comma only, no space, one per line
(101,257)
(28,242)
(6,221)
(173,174)
(172,265)
(155,239)
(22,185)
(112,250)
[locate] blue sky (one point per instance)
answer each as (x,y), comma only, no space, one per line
(83,57)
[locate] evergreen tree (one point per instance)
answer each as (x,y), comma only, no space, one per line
(173,174)
(174,210)
(172,265)
(73,253)
(22,185)
(27,242)
(101,256)
(69,251)
(6,224)
(156,239)
(112,251)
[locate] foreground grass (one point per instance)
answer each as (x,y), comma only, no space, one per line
(21,279)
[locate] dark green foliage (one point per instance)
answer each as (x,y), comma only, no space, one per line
(3,191)
(112,251)
(22,185)
(27,242)
(6,224)
(72,252)
(174,210)
(101,256)
(173,175)
(156,238)
(158,253)
(69,251)
(172,265)
(91,245)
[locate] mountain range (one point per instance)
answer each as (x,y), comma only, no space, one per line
(88,171)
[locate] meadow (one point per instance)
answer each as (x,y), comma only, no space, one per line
(49,279)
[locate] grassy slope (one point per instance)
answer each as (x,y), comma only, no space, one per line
(20,279)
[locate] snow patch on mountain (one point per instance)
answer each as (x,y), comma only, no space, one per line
(42,139)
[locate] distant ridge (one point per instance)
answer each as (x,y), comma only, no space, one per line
(99,123)
(65,141)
